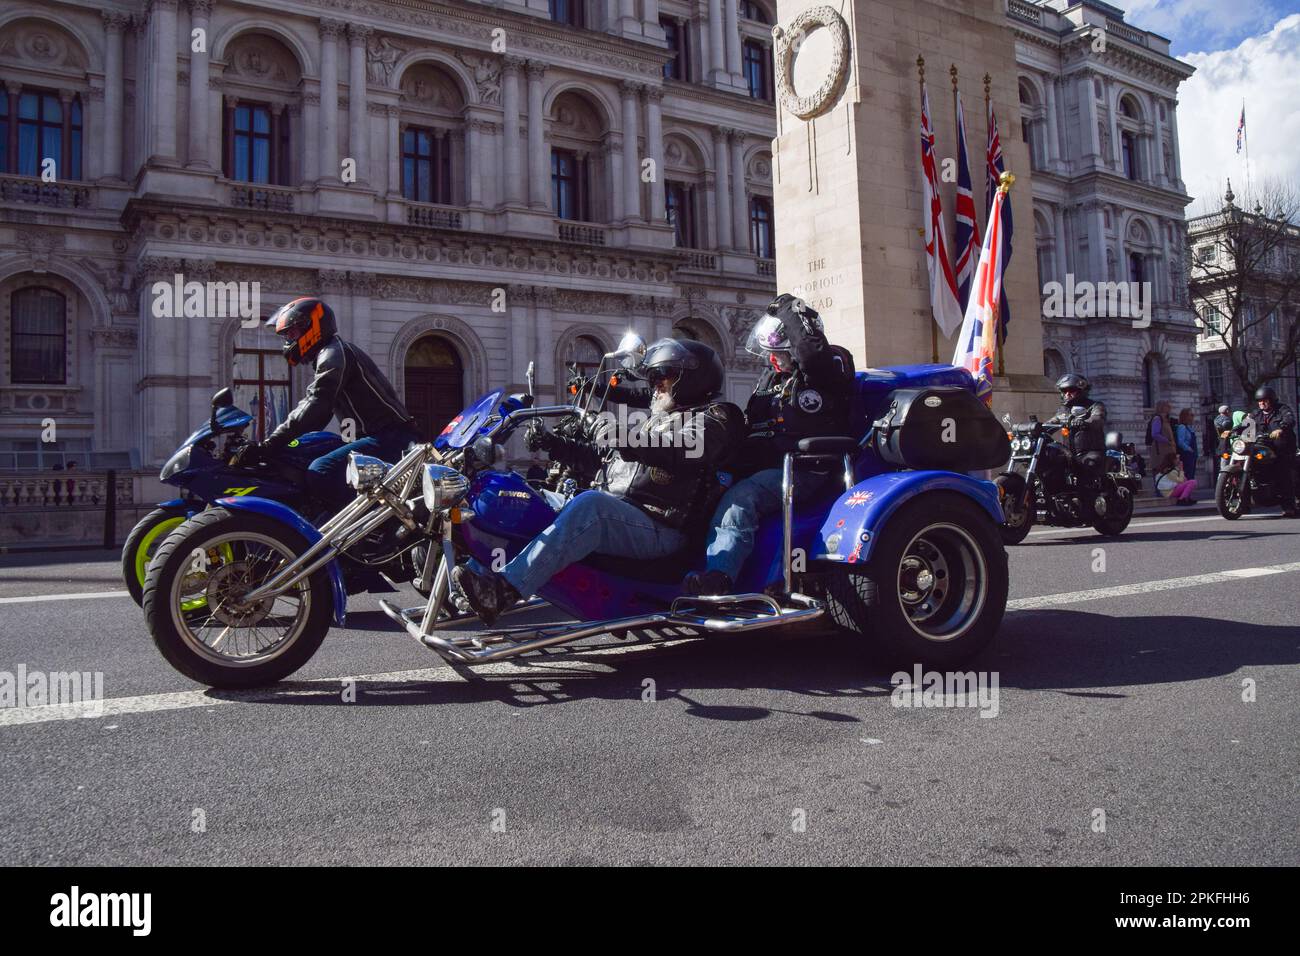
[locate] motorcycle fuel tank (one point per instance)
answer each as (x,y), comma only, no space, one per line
(505,505)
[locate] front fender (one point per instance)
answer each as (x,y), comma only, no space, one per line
(855,521)
(283,513)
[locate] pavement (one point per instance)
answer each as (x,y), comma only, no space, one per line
(1145,714)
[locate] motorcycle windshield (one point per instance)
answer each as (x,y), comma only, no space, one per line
(229,418)
(472,422)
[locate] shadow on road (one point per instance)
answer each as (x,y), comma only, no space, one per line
(1161,536)
(1074,652)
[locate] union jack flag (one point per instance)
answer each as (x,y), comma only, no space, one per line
(1241,129)
(858,498)
(967,243)
(995,169)
(943,284)
(977,343)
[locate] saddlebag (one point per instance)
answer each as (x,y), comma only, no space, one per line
(939,428)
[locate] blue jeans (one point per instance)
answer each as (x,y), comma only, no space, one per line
(593,521)
(746,503)
(327,479)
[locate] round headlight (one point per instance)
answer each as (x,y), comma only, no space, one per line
(176,463)
(1239,446)
(443,487)
(364,471)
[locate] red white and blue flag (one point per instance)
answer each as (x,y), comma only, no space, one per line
(943,283)
(994,169)
(967,244)
(978,343)
(1241,129)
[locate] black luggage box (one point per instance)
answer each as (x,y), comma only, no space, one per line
(940,428)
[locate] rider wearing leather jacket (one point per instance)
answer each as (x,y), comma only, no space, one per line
(347,384)
(650,481)
(1087,438)
(805,391)
(1275,421)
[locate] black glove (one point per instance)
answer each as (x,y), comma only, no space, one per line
(537,438)
(247,455)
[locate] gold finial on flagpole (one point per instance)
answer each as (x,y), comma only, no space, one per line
(920,66)
(952,71)
(988,82)
(1005,182)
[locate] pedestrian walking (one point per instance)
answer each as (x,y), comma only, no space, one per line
(1185,438)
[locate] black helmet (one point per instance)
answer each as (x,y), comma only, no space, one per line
(1076,382)
(305,325)
(1265,393)
(787,318)
(696,367)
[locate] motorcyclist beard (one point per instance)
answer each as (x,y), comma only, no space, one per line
(661,402)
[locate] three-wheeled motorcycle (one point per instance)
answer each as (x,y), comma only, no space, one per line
(902,552)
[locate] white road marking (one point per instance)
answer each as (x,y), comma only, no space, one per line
(75,596)
(1146,587)
(1145,524)
(536,668)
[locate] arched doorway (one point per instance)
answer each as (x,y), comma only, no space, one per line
(435,384)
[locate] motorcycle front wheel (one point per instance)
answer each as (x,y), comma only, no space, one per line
(143,541)
(1017,517)
(1116,520)
(1231,496)
(194,607)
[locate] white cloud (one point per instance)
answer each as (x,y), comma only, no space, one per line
(1202,24)
(1264,71)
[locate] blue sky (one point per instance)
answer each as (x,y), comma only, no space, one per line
(1243,50)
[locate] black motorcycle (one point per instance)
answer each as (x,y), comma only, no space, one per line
(1044,484)
(1250,471)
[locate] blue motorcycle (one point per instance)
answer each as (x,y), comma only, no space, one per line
(201,467)
(904,550)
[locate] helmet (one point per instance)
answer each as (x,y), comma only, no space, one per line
(1265,393)
(771,334)
(696,367)
(305,325)
(1076,382)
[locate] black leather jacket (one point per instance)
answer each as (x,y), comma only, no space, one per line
(1281,417)
(347,384)
(1089,434)
(666,466)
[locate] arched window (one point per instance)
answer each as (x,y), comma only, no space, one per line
(700,331)
(568,12)
(757,66)
(38,339)
(749,10)
(584,353)
(260,380)
(762,239)
(432,135)
(578,175)
(683,189)
(262,81)
(42,130)
(1150,381)
(434,384)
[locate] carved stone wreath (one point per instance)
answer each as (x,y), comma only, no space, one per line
(789,38)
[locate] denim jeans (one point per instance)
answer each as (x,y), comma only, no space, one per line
(594,521)
(731,536)
(327,475)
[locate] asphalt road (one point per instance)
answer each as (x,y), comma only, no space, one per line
(769,748)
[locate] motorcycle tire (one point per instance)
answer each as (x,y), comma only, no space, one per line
(1014,531)
(1221,495)
(217,530)
(944,622)
(143,541)
(1113,525)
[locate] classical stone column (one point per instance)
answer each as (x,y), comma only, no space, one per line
(739,198)
(543,299)
(1058,226)
(358,137)
(1112,107)
(362,287)
(732,23)
(1097,242)
(518,301)
(330,30)
(1088,110)
(722,192)
(1053,148)
(539,160)
(708,229)
(513,187)
(474,160)
(197,152)
(162,17)
(1175,174)
(717,46)
(654,134)
(1157,148)
(114,117)
(631,154)
(393,116)
(613,159)
(311,125)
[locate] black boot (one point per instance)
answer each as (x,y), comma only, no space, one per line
(708,583)
(488,595)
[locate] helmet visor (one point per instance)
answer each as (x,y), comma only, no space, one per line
(667,354)
(767,335)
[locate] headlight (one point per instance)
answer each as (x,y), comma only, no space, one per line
(1239,446)
(176,463)
(364,472)
(443,487)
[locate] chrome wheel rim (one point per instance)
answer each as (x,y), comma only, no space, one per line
(942,582)
(223,629)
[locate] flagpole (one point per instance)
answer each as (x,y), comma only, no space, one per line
(934,330)
(988,96)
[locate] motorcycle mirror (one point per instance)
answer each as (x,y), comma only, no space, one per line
(531,377)
(223,399)
(631,349)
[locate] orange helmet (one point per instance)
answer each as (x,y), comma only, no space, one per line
(305,325)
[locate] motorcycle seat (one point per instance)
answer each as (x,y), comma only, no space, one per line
(828,445)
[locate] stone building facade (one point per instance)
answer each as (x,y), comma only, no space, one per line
(1098,112)
(473,185)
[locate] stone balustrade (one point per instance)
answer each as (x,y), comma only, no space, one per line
(433,217)
(28,189)
(265,198)
(579,232)
(64,490)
